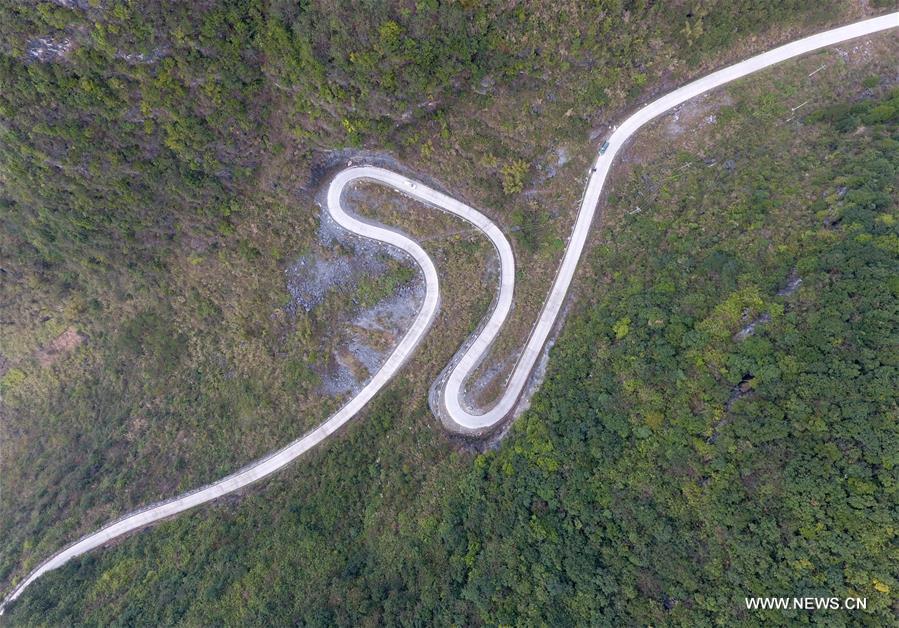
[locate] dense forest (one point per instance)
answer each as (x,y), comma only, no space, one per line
(719,416)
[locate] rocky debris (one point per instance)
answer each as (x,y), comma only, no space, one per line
(485,86)
(136,58)
(561,158)
(311,277)
(674,127)
(599,131)
(792,285)
(393,313)
(694,114)
(83,5)
(747,331)
(48,49)
(364,339)
(363,349)
(739,391)
(548,168)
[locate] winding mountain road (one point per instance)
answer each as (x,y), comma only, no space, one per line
(451,405)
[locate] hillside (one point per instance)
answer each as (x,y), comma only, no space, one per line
(152,205)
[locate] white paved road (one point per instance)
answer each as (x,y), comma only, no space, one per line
(451,397)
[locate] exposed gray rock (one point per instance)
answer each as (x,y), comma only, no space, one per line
(485,86)
(48,49)
(791,287)
(82,5)
(136,58)
(392,316)
(747,331)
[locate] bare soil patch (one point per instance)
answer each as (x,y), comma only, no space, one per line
(66,342)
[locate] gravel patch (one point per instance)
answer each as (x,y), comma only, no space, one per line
(341,261)
(48,49)
(389,318)
(310,278)
(338,262)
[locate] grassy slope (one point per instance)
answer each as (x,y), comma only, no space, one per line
(633,492)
